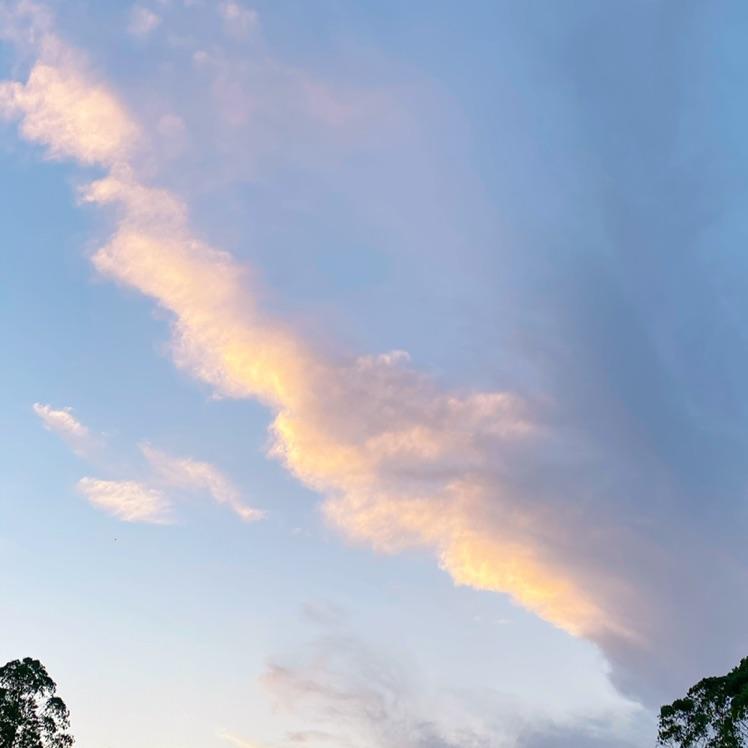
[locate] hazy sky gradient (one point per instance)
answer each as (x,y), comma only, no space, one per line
(374,370)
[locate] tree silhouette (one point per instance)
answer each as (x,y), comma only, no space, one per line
(31,715)
(713,714)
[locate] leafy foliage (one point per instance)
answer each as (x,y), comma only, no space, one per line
(713,714)
(31,715)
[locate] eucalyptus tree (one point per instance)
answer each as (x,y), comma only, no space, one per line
(713,714)
(31,713)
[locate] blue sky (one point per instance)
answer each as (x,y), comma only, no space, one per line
(373,370)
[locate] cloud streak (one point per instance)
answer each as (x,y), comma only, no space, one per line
(147,500)
(63,423)
(194,475)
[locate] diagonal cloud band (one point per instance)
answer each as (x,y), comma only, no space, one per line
(401,461)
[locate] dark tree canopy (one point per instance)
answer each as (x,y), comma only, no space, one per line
(713,714)
(31,715)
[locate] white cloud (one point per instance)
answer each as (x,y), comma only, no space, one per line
(128,501)
(63,423)
(184,472)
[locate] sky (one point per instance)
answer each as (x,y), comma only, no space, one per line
(372,371)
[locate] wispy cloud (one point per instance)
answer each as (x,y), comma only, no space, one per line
(128,501)
(63,423)
(344,693)
(151,498)
(194,475)
(339,690)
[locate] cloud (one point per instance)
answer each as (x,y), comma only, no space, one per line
(266,112)
(402,461)
(572,502)
(62,107)
(143,21)
(128,501)
(186,473)
(337,690)
(146,500)
(63,423)
(345,694)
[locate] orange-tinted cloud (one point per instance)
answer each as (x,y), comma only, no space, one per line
(72,116)
(401,461)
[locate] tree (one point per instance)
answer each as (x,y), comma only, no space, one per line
(31,715)
(713,714)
